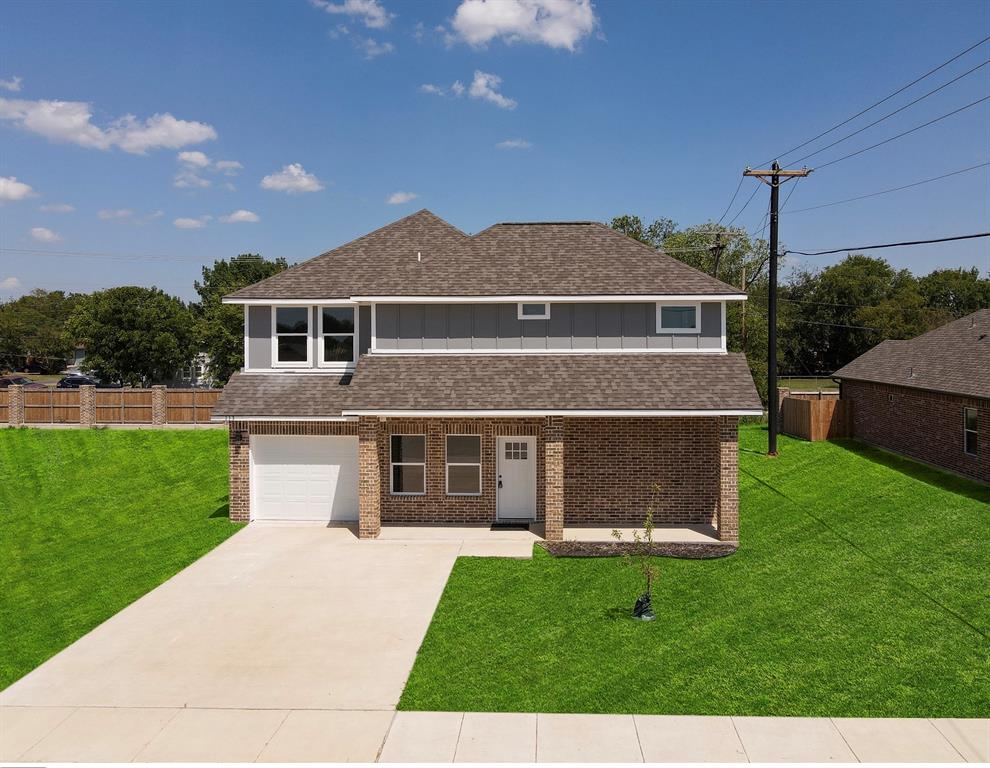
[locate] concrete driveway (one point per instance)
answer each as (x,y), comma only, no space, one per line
(284,643)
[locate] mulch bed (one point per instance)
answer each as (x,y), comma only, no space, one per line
(687,550)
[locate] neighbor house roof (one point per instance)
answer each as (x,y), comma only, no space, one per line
(954,358)
(423,255)
(389,384)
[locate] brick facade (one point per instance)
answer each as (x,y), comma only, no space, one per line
(927,426)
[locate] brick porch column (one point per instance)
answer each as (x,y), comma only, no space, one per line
(239,440)
(15,405)
(369,478)
(728,504)
(159,412)
(553,477)
(87,405)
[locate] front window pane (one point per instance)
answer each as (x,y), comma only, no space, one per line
(463,479)
(292,349)
(678,317)
(463,449)
(408,448)
(292,320)
(408,478)
(338,349)
(338,320)
(971,418)
(534,309)
(971,442)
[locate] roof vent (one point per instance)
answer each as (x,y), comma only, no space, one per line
(911,372)
(419,256)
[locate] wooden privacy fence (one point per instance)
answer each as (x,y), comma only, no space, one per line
(814,418)
(88,406)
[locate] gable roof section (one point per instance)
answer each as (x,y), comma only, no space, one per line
(552,259)
(954,358)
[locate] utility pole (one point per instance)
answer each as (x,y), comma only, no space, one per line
(777,177)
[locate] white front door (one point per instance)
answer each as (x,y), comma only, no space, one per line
(516,481)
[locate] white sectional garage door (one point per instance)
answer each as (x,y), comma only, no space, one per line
(304,478)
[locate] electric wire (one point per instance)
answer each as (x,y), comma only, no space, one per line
(890,245)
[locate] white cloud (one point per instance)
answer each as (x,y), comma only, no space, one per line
(57,208)
(13,85)
(457,88)
(514,144)
(187,178)
(44,235)
(10,284)
(398,198)
(115,213)
(372,48)
(241,217)
(556,23)
(155,215)
(229,187)
(371,12)
(11,189)
(292,179)
(71,122)
(195,159)
(485,86)
(436,90)
(194,163)
(187,223)
(228,167)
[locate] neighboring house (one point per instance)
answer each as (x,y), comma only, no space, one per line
(929,397)
(196,374)
(547,373)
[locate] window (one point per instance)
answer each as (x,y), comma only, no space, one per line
(337,333)
(517,451)
(464,465)
(533,311)
(679,317)
(969,431)
(408,464)
(291,336)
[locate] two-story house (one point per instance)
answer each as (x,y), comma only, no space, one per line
(543,372)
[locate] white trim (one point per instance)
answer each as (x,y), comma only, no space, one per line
(308,335)
(246,345)
(524,412)
(286,302)
(539,299)
(374,328)
(448,464)
(967,430)
(697,316)
(556,351)
(314,371)
(724,311)
(337,365)
(520,315)
(393,464)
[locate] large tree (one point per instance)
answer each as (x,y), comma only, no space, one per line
(221,326)
(136,336)
(32,330)
(957,291)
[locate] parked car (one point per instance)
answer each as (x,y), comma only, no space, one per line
(76,380)
(6,381)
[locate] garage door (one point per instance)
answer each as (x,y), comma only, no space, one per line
(304,478)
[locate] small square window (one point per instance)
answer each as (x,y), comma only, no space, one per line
(533,311)
(678,317)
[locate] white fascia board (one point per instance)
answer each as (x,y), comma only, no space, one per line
(289,302)
(534,351)
(543,299)
(523,413)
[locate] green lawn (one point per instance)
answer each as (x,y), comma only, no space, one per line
(861,589)
(90,520)
(807,384)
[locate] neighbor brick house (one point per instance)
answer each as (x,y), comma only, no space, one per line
(928,397)
(549,373)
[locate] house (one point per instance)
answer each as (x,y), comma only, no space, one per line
(544,373)
(928,397)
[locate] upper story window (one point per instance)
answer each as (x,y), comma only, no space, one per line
(291,336)
(969,431)
(679,317)
(529,311)
(337,336)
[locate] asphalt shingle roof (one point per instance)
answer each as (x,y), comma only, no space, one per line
(954,358)
(574,259)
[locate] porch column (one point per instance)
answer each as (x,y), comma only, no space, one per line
(728,503)
(15,405)
(369,478)
(239,502)
(553,477)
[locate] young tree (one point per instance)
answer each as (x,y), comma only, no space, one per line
(133,335)
(221,326)
(641,557)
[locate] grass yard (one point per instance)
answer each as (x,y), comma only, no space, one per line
(90,520)
(860,590)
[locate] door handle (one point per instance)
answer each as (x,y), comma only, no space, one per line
(499,481)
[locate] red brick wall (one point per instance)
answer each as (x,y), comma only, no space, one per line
(927,426)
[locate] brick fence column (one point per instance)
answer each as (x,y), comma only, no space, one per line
(728,500)
(87,405)
(553,478)
(15,405)
(159,412)
(239,440)
(369,478)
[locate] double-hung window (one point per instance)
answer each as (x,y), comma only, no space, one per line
(337,336)
(969,431)
(678,317)
(464,465)
(408,464)
(291,336)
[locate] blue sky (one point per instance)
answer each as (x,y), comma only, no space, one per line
(651,108)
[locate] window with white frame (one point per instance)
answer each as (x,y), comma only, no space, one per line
(969,431)
(532,311)
(408,464)
(464,465)
(291,336)
(678,317)
(337,336)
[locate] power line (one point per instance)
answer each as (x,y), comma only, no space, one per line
(102,255)
(893,189)
(745,205)
(891,245)
(904,133)
(883,100)
(734,194)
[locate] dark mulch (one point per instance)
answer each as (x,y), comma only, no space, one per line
(685,550)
